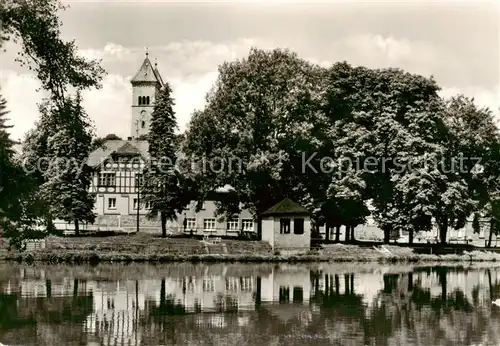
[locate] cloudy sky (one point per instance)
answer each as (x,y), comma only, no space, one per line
(457,42)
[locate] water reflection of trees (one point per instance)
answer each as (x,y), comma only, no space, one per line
(411,312)
(45,320)
(404,310)
(427,306)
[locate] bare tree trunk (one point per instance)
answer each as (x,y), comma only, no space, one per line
(352,233)
(337,234)
(347,234)
(410,237)
(387,234)
(49,225)
(327,231)
(490,236)
(259,227)
(77,228)
(443,230)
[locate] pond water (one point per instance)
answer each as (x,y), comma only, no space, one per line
(257,304)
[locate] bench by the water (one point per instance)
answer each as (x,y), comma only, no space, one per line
(34,244)
(207,240)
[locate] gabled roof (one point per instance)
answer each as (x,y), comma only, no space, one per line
(286,207)
(147,73)
(127,149)
(124,147)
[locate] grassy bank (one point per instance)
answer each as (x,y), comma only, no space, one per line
(149,248)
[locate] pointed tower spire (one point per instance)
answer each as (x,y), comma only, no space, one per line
(147,53)
(146,73)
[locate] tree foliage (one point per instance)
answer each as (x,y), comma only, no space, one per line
(98,142)
(67,179)
(35,25)
(163,187)
(340,139)
(10,172)
(62,131)
(257,123)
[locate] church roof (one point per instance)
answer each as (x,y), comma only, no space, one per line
(119,147)
(127,149)
(147,73)
(158,76)
(286,207)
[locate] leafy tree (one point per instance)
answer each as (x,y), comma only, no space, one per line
(10,172)
(257,123)
(99,141)
(17,217)
(8,183)
(163,185)
(469,167)
(35,161)
(67,179)
(36,26)
(378,121)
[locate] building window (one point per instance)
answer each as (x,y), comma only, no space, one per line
(143,124)
(298,226)
(107,179)
(247,225)
(190,223)
(111,203)
(139,100)
(147,205)
(232,225)
(209,224)
(285,226)
(147,100)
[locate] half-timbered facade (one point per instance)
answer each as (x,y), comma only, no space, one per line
(117,177)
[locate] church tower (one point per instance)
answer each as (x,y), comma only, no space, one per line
(145,86)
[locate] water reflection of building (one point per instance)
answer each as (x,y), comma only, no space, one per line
(115,316)
(119,307)
(211,293)
(286,283)
(328,301)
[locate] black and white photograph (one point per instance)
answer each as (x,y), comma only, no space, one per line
(281,172)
